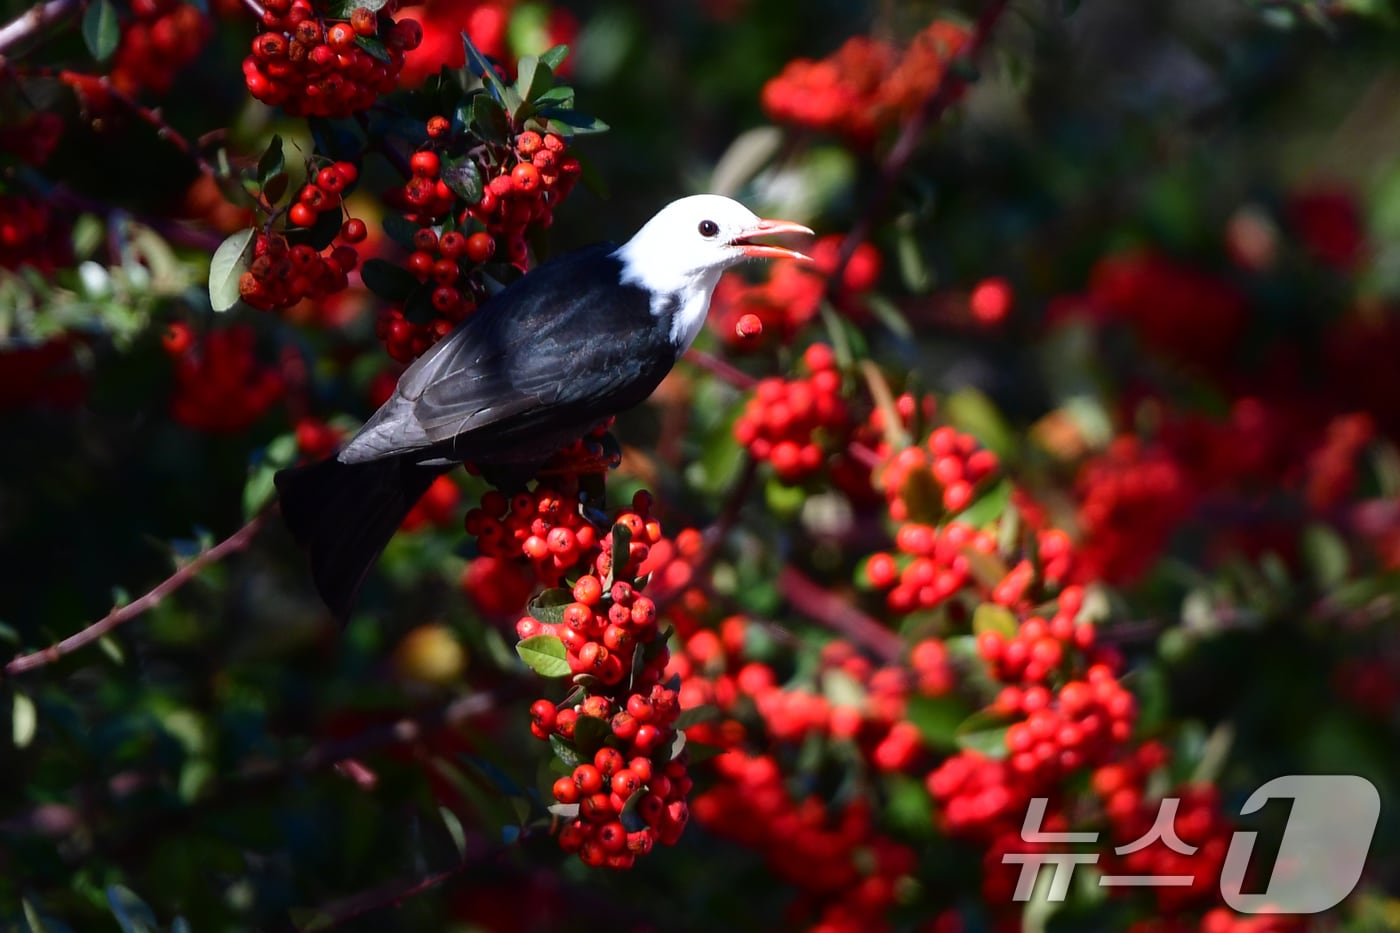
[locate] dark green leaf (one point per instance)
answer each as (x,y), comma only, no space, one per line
(320,234)
(341,140)
(590,733)
(131,913)
(272,162)
(631,816)
(533,78)
(621,545)
(101,29)
(489,121)
(575,120)
(374,48)
(1326,556)
(400,229)
(230,261)
(481,66)
(937,719)
(560,97)
(555,57)
(545,655)
(275,187)
(464,178)
(983,732)
(549,605)
(987,507)
(565,751)
(696,715)
(388,280)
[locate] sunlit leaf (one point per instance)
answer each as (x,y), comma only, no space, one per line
(231,260)
(545,655)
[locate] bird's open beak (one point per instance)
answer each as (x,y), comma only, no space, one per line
(770,228)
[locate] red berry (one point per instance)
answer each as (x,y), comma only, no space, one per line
(353,230)
(991,300)
(301,216)
(425,164)
(480,247)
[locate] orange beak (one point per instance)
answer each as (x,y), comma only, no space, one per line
(770,228)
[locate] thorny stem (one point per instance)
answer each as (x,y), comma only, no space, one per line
(123,614)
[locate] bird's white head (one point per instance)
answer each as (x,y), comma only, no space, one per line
(680,253)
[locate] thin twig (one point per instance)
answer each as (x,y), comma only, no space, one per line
(33,21)
(122,614)
(163,129)
(721,368)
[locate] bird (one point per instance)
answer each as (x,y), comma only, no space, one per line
(555,354)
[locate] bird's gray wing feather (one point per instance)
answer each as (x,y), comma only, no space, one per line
(518,364)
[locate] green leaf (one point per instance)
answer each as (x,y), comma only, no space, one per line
(621,548)
(454,829)
(24,720)
(388,280)
(342,9)
(481,66)
(101,30)
(561,96)
(1326,556)
(132,914)
(545,655)
(575,120)
(272,161)
(695,715)
(590,733)
(555,57)
(489,120)
(549,605)
(275,187)
(937,719)
(533,78)
(983,732)
(231,260)
(374,48)
(565,751)
(400,229)
(987,507)
(464,178)
(971,411)
(677,746)
(989,617)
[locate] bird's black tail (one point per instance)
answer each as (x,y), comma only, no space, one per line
(344,514)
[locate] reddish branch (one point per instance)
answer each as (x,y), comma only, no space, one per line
(821,605)
(34,21)
(122,614)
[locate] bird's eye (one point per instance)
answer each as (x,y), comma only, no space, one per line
(708,228)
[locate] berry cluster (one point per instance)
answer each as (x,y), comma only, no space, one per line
(311,68)
(1131,501)
(792,423)
(865,85)
(520,192)
(219,385)
(940,476)
(544,526)
(847,870)
(523,190)
(620,737)
(163,37)
(281,274)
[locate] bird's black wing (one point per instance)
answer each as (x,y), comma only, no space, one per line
(556,351)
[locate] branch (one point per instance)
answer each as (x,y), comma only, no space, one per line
(122,614)
(821,605)
(34,21)
(163,129)
(907,143)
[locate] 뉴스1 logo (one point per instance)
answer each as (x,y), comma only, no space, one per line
(1324,847)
